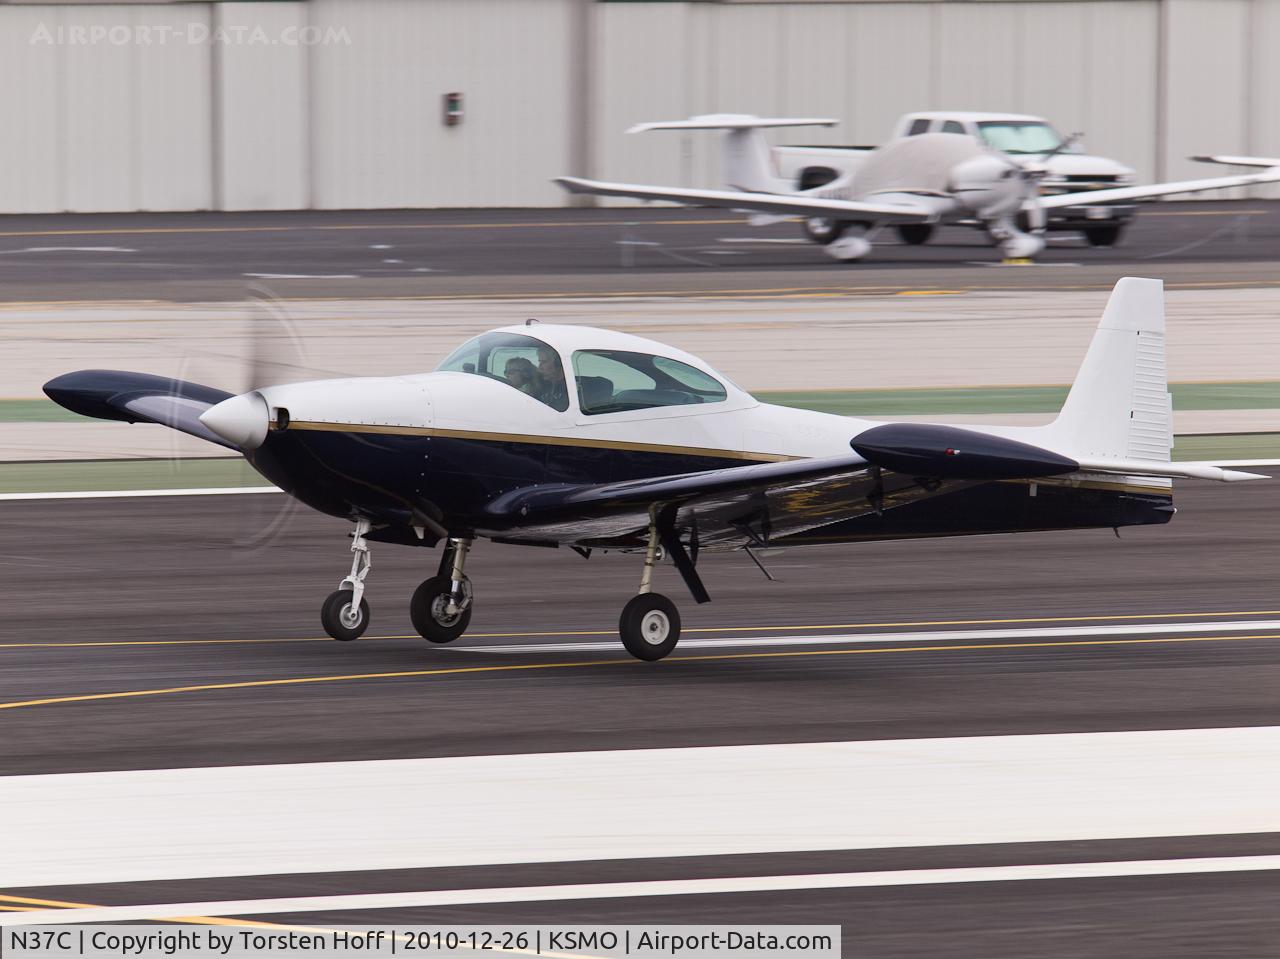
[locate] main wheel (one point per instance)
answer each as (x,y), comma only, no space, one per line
(427,610)
(340,620)
(650,626)
(1103,235)
(822,229)
(915,234)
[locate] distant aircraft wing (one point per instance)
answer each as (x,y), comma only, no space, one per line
(1270,175)
(765,202)
(1239,161)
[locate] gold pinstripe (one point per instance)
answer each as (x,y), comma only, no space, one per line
(578,441)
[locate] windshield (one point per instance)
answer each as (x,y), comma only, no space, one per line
(611,381)
(522,362)
(1022,136)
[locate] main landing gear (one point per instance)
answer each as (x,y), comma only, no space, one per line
(441,606)
(650,623)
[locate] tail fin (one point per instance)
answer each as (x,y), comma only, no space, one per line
(1119,406)
(748,159)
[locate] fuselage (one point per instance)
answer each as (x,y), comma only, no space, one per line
(426,452)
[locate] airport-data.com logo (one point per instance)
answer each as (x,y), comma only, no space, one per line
(189,34)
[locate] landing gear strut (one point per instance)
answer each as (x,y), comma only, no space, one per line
(650,623)
(345,613)
(441,606)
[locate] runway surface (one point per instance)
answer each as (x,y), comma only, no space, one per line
(1054,650)
(597,252)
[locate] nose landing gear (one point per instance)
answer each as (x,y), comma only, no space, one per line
(345,613)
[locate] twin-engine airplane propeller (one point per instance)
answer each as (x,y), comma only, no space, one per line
(932,178)
(544,435)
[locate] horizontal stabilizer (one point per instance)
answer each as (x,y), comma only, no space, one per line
(138,398)
(1183,470)
(733,121)
(949,452)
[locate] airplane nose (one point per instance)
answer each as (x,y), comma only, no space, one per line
(242,420)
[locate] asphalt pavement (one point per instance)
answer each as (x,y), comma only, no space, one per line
(594,252)
(207,608)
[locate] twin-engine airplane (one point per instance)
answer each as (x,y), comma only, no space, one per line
(542,435)
(932,178)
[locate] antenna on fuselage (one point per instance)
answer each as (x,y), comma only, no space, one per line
(530,321)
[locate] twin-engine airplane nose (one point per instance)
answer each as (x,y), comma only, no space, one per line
(242,420)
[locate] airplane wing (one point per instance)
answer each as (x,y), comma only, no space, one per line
(1270,175)
(738,506)
(1239,161)
(732,121)
(766,202)
(138,398)
(891,465)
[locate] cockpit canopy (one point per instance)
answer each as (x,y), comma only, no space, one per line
(606,381)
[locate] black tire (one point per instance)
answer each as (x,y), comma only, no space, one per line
(332,612)
(915,234)
(425,609)
(649,626)
(1104,235)
(823,230)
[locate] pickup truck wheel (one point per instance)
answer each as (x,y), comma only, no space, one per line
(823,230)
(1104,235)
(915,234)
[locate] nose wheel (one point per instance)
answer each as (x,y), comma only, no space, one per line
(342,617)
(345,613)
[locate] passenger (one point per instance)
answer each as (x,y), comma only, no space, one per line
(555,391)
(521,374)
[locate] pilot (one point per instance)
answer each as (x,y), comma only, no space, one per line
(520,373)
(554,390)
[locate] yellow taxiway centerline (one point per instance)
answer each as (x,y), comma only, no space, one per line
(552,634)
(524,667)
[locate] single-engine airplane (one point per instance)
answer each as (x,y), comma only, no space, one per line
(570,436)
(932,178)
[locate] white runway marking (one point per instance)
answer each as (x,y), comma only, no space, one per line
(948,635)
(303,276)
(131,493)
(72,249)
(663,887)
(564,807)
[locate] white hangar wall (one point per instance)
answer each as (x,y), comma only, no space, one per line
(550,86)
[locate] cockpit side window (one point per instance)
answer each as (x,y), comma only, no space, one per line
(613,381)
(523,362)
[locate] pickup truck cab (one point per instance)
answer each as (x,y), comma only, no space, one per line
(1028,139)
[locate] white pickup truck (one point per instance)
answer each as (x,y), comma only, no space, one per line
(1029,139)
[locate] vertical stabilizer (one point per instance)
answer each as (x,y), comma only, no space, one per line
(1119,406)
(748,159)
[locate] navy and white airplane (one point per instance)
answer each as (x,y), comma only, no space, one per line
(570,436)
